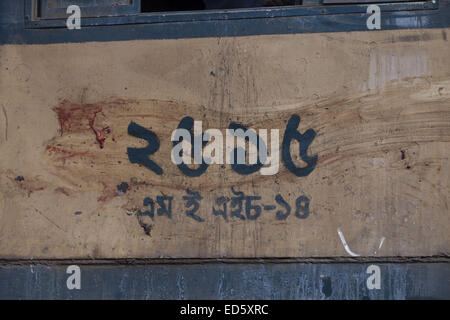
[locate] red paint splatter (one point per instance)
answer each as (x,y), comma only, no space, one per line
(98,134)
(72,118)
(65,154)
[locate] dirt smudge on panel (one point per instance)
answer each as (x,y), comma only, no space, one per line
(6,123)
(147,227)
(123,188)
(25,185)
(108,193)
(415,38)
(62,190)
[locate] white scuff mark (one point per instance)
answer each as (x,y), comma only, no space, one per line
(378,162)
(381,242)
(388,65)
(346,247)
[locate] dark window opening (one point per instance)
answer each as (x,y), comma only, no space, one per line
(171,5)
(182,5)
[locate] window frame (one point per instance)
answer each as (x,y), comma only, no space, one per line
(49,13)
(350,7)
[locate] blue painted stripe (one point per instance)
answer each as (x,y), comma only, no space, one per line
(229,281)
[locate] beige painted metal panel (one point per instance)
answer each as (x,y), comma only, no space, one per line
(379,103)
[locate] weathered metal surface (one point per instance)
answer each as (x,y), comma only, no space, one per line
(229,281)
(377,167)
(364,144)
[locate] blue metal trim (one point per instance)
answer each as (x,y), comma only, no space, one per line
(241,23)
(229,281)
(256,13)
